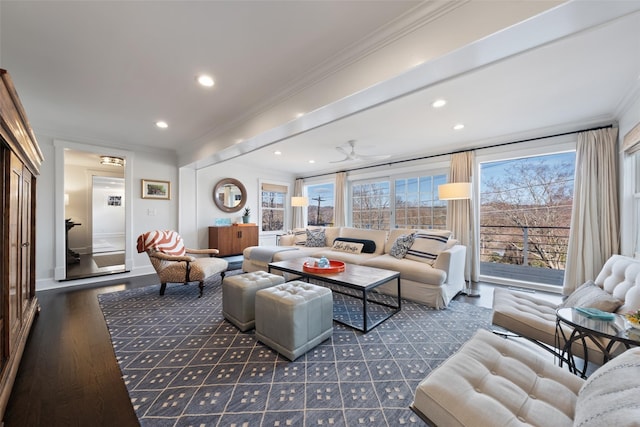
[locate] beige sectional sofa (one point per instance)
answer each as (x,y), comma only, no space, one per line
(433,283)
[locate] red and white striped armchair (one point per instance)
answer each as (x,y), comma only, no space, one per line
(173,261)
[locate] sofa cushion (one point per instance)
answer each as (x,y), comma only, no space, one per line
(591,295)
(349,247)
(409,269)
(609,397)
(401,245)
(427,245)
(368,246)
(315,238)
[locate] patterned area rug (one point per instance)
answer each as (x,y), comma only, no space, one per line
(184,365)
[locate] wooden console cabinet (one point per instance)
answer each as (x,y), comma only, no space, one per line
(21,158)
(233,239)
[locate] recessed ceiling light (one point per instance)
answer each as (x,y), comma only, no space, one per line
(312,161)
(206,81)
(239,140)
(162,124)
(458,126)
(299,115)
(439,103)
(277,153)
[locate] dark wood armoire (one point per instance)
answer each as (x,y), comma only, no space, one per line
(21,159)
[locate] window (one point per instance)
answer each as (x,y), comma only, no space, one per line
(417,204)
(525,215)
(371,205)
(273,197)
(321,204)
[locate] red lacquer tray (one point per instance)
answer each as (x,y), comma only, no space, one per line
(334,267)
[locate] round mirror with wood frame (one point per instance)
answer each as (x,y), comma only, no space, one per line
(229,195)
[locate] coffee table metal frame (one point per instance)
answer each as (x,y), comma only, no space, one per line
(356,277)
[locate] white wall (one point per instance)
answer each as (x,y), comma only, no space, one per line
(207,178)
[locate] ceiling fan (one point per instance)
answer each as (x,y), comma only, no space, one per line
(353,156)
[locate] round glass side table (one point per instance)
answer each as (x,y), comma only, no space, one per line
(606,336)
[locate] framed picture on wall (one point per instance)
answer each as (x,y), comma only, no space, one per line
(154,189)
(114,200)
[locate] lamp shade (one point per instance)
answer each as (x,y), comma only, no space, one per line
(297,201)
(454,191)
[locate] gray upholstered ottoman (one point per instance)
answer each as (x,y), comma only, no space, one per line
(294,317)
(239,296)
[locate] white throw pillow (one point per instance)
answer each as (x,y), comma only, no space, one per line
(299,236)
(591,295)
(428,245)
(350,247)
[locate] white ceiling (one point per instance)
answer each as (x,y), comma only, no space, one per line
(104,72)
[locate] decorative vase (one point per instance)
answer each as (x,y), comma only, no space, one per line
(245,219)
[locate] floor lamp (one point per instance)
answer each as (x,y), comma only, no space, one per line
(299,202)
(461,191)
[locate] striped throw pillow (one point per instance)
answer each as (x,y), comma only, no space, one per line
(427,245)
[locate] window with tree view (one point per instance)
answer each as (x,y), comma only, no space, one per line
(371,205)
(272,206)
(417,204)
(525,215)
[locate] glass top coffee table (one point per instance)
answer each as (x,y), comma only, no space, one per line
(355,282)
(605,334)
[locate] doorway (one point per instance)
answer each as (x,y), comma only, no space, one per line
(95,206)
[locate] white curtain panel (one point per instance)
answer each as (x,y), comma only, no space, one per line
(595,233)
(339,208)
(460,218)
(297,217)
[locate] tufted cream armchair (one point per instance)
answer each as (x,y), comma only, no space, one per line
(173,262)
(535,318)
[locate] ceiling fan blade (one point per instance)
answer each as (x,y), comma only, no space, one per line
(374,157)
(346,159)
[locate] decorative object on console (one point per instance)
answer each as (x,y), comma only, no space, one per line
(246,215)
(154,189)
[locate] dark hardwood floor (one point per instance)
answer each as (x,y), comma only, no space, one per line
(69,375)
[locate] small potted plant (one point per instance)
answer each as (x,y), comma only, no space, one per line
(246,215)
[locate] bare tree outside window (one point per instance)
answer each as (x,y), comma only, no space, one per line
(272,211)
(371,205)
(526,210)
(417,204)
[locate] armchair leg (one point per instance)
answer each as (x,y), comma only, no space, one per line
(201,286)
(163,287)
